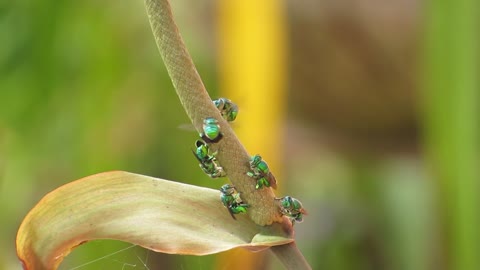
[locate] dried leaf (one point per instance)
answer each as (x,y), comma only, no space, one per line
(160,215)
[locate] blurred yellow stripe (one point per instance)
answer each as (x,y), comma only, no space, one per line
(253,74)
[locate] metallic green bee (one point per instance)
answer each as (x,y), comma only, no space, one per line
(211,130)
(292,208)
(228,109)
(261,173)
(208,162)
(232,201)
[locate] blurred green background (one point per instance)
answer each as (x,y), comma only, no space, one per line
(380,136)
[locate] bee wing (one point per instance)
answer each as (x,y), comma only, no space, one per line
(186,127)
(272,180)
(237,198)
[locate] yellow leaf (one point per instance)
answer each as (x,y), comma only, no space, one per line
(160,215)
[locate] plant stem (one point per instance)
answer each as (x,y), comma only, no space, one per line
(291,256)
(197,103)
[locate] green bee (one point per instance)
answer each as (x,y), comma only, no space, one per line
(232,201)
(292,208)
(208,162)
(261,172)
(228,109)
(211,130)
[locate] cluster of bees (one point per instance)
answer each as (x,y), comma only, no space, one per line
(230,197)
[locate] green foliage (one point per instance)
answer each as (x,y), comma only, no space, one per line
(80,88)
(452,124)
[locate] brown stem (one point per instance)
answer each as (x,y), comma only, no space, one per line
(197,103)
(291,257)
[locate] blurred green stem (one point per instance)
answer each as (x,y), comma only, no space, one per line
(198,105)
(452,127)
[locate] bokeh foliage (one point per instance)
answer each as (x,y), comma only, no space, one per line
(83,90)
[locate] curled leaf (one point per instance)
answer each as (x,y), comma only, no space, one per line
(160,215)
